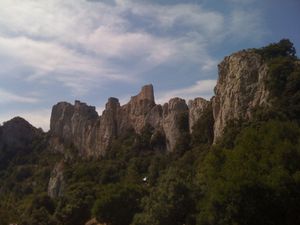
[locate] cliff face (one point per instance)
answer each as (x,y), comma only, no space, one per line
(72,125)
(79,125)
(240,88)
(196,109)
(172,112)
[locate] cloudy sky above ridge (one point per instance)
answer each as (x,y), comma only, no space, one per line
(53,50)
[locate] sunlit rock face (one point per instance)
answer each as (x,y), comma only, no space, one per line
(56,183)
(240,88)
(197,108)
(172,111)
(72,125)
(80,127)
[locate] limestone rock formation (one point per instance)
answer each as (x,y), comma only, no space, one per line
(107,127)
(196,109)
(80,127)
(137,112)
(72,125)
(56,182)
(171,116)
(240,88)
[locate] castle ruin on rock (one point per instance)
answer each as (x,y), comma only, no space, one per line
(240,88)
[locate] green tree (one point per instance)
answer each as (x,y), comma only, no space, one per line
(257,181)
(117,204)
(284,48)
(170,203)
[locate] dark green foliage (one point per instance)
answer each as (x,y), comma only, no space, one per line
(184,141)
(255,182)
(143,140)
(74,207)
(158,141)
(203,131)
(284,48)
(232,129)
(279,70)
(283,79)
(40,211)
(170,203)
(117,204)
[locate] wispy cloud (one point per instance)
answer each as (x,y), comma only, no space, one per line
(246,25)
(8,97)
(74,47)
(202,88)
(78,44)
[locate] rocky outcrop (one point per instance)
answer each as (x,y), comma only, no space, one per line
(78,126)
(172,113)
(107,127)
(72,125)
(56,182)
(240,88)
(17,134)
(197,107)
(138,111)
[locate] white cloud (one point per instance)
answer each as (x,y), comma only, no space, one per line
(51,61)
(8,97)
(202,88)
(82,44)
(191,15)
(246,25)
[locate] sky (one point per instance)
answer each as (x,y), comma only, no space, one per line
(90,50)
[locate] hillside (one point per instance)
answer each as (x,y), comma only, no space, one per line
(234,159)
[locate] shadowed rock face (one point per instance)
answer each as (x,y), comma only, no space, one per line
(16,138)
(240,88)
(17,134)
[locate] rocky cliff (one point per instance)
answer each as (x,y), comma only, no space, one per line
(80,126)
(240,89)
(196,109)
(72,126)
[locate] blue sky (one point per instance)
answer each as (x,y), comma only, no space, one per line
(53,50)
